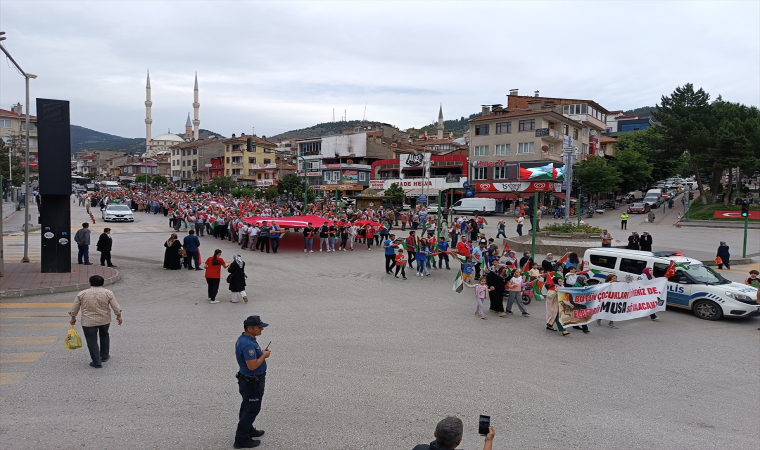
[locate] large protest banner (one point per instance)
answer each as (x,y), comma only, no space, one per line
(611,301)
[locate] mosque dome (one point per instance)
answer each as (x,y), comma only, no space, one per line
(168,137)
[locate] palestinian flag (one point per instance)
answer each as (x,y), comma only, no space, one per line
(590,271)
(537,288)
(458,284)
(284,234)
(526,267)
(682,266)
(550,281)
(563,259)
(458,257)
(482,262)
(404,245)
(558,274)
(671,270)
(506,248)
(514,265)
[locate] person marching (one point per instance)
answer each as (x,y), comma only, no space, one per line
(213,266)
(104,245)
(251,377)
(236,279)
(400,263)
(481,290)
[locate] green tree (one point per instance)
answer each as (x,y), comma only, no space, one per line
(15,168)
(737,138)
(648,143)
(141,178)
(595,176)
(685,118)
(271,192)
(289,183)
(310,194)
(633,168)
(396,194)
(159,179)
(225,183)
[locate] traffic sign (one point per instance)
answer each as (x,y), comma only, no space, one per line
(466,185)
(422,199)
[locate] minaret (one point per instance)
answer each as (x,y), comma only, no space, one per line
(188,127)
(439,127)
(196,106)
(148,120)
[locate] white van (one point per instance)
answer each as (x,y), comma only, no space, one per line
(694,286)
(653,197)
(475,205)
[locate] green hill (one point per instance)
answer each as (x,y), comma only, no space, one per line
(319,130)
(86,139)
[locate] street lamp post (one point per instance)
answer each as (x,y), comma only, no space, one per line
(27,77)
(569,152)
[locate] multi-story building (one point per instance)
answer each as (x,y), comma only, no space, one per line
(188,158)
(619,123)
(98,161)
(133,169)
(514,151)
(255,161)
(423,173)
(591,117)
(13,133)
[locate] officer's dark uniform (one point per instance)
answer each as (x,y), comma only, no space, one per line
(251,383)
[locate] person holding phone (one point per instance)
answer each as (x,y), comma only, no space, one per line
(251,378)
(448,435)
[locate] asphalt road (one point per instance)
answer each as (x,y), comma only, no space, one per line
(361,360)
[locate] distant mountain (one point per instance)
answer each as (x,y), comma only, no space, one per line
(644,111)
(86,139)
(319,130)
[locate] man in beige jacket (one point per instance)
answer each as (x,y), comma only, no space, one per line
(96,318)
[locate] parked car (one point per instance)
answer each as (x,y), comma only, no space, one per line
(474,206)
(90,187)
(118,212)
(432,208)
(639,208)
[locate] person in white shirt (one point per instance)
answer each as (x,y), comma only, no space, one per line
(253,237)
(243,235)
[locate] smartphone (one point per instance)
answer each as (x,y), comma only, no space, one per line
(484,424)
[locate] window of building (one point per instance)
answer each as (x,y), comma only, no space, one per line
(183,152)
(481,130)
(31,142)
(183,163)
(480,173)
(609,129)
(585,131)
(228,172)
(575,133)
(503,127)
(267,161)
(4,123)
(525,147)
(565,130)
(184,174)
(251,172)
(195,162)
(195,151)
(228,148)
(481,150)
(228,160)
(499,173)
(258,176)
(502,149)
(634,126)
(310,148)
(527,125)
(585,148)
(251,160)
(362,176)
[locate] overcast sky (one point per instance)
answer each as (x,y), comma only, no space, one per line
(278,66)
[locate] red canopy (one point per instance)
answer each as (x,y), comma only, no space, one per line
(291,222)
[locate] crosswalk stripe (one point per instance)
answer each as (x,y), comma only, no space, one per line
(27,340)
(34,305)
(36,326)
(31,315)
(11,377)
(7,358)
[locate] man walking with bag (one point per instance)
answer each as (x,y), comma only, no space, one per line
(251,360)
(96,318)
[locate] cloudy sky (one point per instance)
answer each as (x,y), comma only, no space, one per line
(278,66)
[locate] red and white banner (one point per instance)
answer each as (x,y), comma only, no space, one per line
(612,301)
(735,215)
(519,186)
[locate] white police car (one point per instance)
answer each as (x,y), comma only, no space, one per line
(694,286)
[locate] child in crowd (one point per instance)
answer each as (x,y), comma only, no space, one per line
(571,278)
(400,263)
(534,272)
(481,291)
(753,280)
(467,269)
(422,259)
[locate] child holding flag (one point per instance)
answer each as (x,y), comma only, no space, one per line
(481,290)
(400,263)
(467,269)
(422,259)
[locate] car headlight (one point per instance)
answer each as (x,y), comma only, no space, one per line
(740,297)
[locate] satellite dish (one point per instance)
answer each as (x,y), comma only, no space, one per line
(545,148)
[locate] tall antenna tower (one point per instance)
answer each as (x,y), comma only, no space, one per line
(333,114)
(364,116)
(345,115)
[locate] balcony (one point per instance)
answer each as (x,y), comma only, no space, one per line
(236,165)
(549,134)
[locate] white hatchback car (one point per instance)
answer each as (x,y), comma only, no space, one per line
(118,213)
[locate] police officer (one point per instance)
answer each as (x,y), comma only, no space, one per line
(251,377)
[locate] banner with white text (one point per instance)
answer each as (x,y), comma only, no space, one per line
(612,301)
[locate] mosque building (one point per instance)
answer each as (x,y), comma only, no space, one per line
(164,142)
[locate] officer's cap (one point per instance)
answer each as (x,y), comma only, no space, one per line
(254,321)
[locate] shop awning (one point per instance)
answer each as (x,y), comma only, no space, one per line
(418,192)
(562,196)
(497,195)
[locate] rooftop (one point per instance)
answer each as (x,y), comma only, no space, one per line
(6,113)
(503,114)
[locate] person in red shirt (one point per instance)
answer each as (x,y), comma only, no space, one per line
(213,267)
(411,241)
(369,234)
(463,247)
(400,263)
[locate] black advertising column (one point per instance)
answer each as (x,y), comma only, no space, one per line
(54,140)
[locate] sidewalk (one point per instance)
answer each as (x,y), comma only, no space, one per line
(25,279)
(14,223)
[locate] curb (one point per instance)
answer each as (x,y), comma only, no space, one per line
(737,262)
(719,224)
(55,290)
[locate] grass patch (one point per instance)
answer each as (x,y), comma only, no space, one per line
(706,212)
(560,228)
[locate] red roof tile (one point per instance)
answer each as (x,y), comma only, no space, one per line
(6,113)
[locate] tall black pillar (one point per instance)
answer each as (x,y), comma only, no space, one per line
(54,140)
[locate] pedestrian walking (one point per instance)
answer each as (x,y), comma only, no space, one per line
(104,245)
(274,236)
(520,222)
(236,279)
(390,253)
(645,242)
(443,248)
(606,238)
(213,266)
(324,237)
(515,286)
(251,376)
(96,304)
(624,221)
(400,263)
(173,253)
(650,217)
(82,238)
(552,308)
(191,244)
(481,290)
(500,230)
(724,255)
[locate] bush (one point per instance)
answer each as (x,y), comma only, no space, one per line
(561,228)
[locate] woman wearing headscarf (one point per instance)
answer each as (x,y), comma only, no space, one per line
(525,258)
(724,255)
(236,279)
(549,264)
(552,308)
(173,253)
(633,241)
(496,279)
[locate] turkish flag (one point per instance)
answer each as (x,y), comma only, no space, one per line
(671,270)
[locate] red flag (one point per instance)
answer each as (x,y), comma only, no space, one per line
(671,270)
(506,248)
(514,265)
(563,259)
(526,267)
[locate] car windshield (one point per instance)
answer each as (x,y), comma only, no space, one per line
(704,274)
(118,208)
(639,205)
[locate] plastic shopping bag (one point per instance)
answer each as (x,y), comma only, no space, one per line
(718,260)
(73,341)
